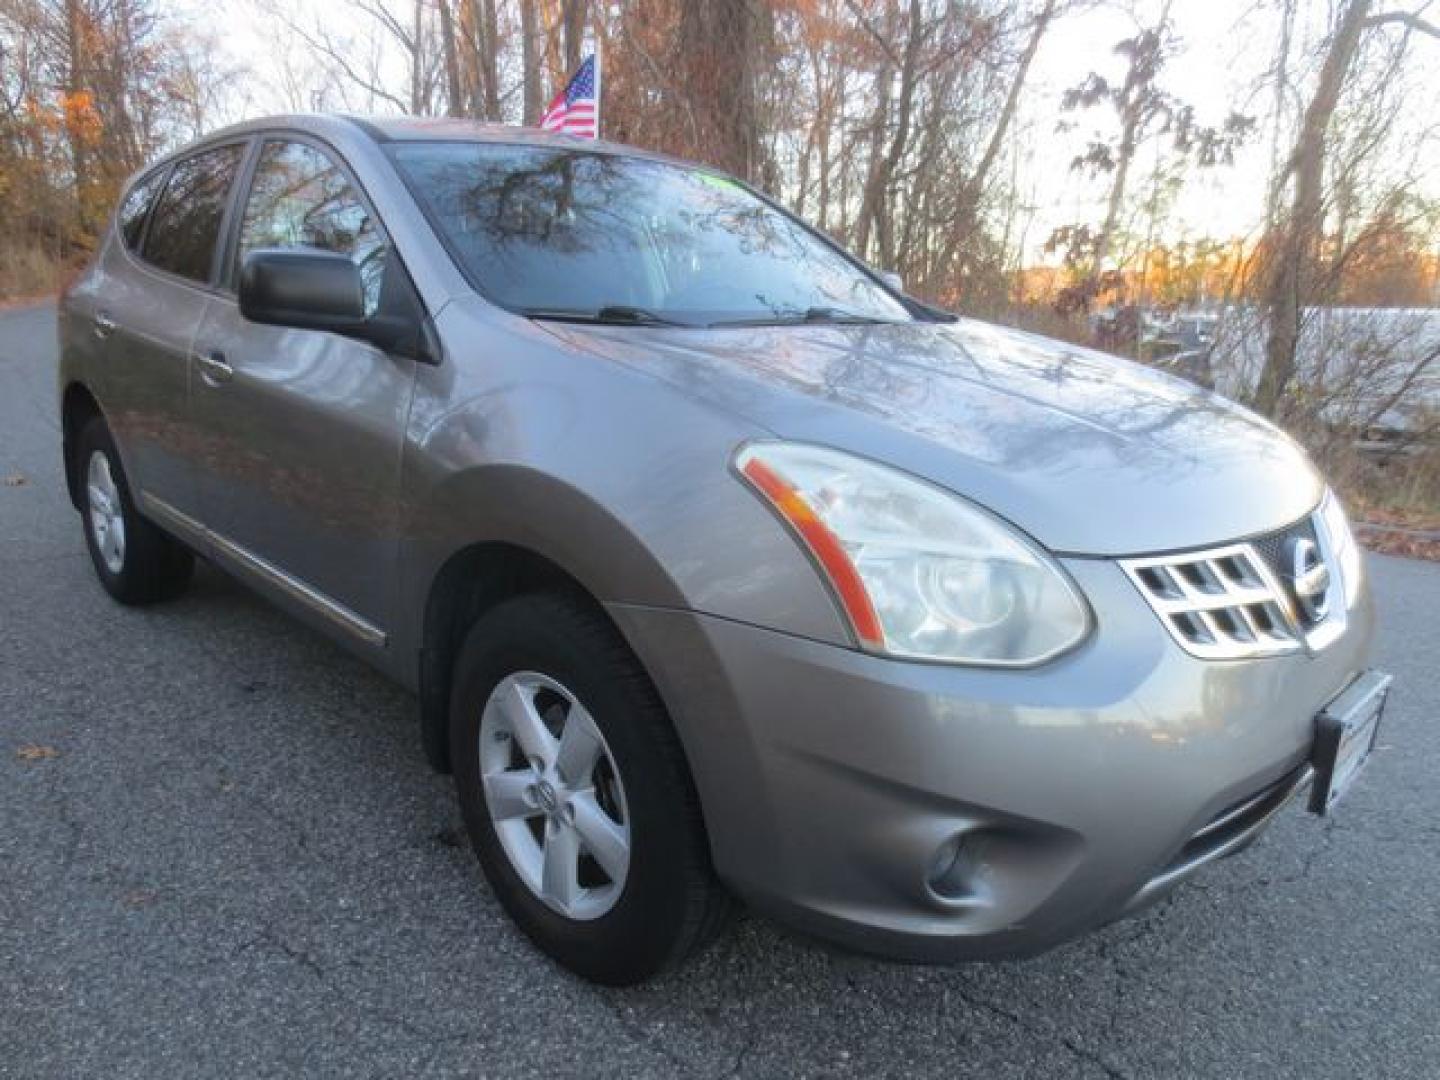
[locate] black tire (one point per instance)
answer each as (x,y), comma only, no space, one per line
(154,566)
(671,903)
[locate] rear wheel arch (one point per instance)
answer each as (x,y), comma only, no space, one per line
(77,408)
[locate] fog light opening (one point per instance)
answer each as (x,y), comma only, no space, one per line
(951,877)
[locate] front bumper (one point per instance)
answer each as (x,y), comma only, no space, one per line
(934,812)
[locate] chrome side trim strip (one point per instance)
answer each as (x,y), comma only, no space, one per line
(292,586)
(175,519)
(261,567)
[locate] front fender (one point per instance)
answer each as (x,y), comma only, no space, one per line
(619,479)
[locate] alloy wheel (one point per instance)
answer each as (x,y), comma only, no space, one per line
(555,795)
(107,519)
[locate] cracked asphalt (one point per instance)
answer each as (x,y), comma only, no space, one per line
(221,854)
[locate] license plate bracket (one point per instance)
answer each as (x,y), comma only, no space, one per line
(1345,732)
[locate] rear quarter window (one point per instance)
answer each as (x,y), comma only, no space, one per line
(185,224)
(136,207)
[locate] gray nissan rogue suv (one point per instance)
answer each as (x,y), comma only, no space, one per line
(720,567)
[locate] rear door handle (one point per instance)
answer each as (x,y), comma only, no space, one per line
(104,324)
(213,367)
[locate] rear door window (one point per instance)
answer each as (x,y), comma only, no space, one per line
(185,225)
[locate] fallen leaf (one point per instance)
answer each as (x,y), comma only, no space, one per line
(14,480)
(36,753)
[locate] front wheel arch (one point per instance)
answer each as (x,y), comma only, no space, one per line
(471,582)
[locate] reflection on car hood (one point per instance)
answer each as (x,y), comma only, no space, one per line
(1089,453)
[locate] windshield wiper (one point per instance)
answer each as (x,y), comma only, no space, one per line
(614,314)
(833,315)
(840,315)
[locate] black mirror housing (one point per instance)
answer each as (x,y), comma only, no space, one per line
(304,288)
(309,289)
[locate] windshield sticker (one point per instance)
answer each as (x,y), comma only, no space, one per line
(720,183)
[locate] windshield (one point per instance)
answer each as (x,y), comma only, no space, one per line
(555,232)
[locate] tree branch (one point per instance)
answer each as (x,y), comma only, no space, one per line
(1409,20)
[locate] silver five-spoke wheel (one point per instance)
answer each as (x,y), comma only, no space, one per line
(107,519)
(555,795)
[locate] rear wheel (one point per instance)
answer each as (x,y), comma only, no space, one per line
(135,561)
(576,793)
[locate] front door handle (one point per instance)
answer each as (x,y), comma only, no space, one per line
(213,367)
(104,324)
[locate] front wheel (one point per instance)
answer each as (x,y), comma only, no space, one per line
(576,793)
(135,561)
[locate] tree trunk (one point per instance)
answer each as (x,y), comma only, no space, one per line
(1012,100)
(530,63)
(974,190)
(573,21)
(874,178)
(1136,107)
(1282,84)
(1297,245)
(490,61)
(417,64)
(75,89)
(455,98)
(878,202)
(716,40)
(1123,157)
(469,47)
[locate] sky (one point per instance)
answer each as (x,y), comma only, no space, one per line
(1227,47)
(1217,61)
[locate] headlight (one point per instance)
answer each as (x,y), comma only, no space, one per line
(919,572)
(1343,548)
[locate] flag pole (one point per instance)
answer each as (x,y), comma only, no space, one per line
(597,86)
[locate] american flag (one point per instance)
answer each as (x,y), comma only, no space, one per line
(576,109)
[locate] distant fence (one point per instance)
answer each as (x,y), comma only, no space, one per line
(1358,367)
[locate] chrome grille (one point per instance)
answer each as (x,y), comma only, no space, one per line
(1222,603)
(1271,548)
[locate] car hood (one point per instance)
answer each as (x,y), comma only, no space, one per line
(1088,453)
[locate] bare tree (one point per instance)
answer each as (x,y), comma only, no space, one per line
(1139,105)
(1295,250)
(353,50)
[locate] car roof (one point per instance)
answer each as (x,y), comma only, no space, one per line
(402,129)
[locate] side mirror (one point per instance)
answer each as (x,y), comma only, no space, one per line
(303,288)
(893,279)
(311,289)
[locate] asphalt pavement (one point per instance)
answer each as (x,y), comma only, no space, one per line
(221,854)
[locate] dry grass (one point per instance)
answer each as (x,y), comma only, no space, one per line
(1394,501)
(29,271)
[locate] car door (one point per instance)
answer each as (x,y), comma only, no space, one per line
(300,481)
(155,289)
